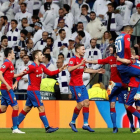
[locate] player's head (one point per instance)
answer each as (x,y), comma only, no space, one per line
(133,52)
(9,53)
(37,56)
(128,29)
(80,49)
(112,49)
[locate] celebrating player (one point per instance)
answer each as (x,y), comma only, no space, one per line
(35,71)
(79,92)
(118,88)
(8,96)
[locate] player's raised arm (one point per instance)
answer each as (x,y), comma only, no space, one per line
(101,70)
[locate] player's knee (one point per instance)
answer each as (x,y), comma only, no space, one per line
(112,105)
(3,110)
(41,109)
(16,107)
(27,109)
(126,106)
(80,105)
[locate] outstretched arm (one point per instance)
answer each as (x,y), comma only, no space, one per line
(123,60)
(101,70)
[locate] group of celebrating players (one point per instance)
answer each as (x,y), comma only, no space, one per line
(125,72)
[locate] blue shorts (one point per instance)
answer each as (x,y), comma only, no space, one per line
(120,93)
(79,93)
(34,99)
(128,71)
(8,98)
(130,98)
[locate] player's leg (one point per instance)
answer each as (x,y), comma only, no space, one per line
(85,97)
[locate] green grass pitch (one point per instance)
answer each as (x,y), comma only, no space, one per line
(68,134)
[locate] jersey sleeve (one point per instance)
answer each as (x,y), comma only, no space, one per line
(127,46)
(71,62)
(103,61)
(28,70)
(4,66)
(48,72)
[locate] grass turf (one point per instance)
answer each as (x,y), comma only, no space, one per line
(68,134)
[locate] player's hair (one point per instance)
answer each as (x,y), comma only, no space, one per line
(93,39)
(24,4)
(85,6)
(35,53)
(24,51)
(48,56)
(114,48)
(46,48)
(3,37)
(67,7)
(4,17)
(61,54)
(81,33)
(127,28)
(133,51)
(24,19)
(77,46)
(35,17)
(61,30)
(110,4)
(13,20)
(7,51)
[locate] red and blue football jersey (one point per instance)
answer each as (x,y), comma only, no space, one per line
(35,72)
(77,74)
(122,45)
(7,69)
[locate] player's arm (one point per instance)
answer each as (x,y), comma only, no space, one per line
(4,67)
(92,61)
(101,70)
(123,60)
(20,74)
(72,65)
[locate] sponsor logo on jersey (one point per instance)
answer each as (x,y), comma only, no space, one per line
(39,75)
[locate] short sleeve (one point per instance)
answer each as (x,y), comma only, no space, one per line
(4,66)
(71,62)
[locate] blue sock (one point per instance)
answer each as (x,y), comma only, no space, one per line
(44,119)
(138,118)
(15,119)
(75,115)
(21,116)
(113,116)
(130,117)
(86,115)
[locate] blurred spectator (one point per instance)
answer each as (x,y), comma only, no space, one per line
(23,14)
(54,7)
(76,9)
(48,18)
(63,80)
(40,45)
(86,79)
(60,45)
(50,42)
(36,6)
(84,16)
(125,8)
(114,3)
(61,56)
(13,35)
(7,9)
(95,28)
(113,21)
(29,48)
(136,3)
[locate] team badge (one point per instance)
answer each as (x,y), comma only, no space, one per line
(3,66)
(79,94)
(71,62)
(27,68)
(128,39)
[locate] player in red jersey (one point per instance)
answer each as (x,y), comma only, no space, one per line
(76,68)
(119,89)
(35,71)
(8,96)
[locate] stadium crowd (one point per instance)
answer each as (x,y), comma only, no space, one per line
(55,26)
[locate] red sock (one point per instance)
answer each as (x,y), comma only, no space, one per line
(23,112)
(131,109)
(15,113)
(85,109)
(42,114)
(112,110)
(76,111)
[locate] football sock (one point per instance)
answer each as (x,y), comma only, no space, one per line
(21,116)
(138,118)
(44,119)
(86,115)
(15,119)
(113,116)
(133,111)
(75,115)
(130,117)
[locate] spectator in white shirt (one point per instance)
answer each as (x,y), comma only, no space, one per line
(23,14)
(84,17)
(38,33)
(50,42)
(61,44)
(7,9)
(13,35)
(41,44)
(29,48)
(95,28)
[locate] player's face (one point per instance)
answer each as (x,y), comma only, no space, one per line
(45,36)
(110,9)
(110,50)
(5,42)
(130,31)
(92,16)
(40,57)
(13,25)
(25,59)
(81,51)
(22,53)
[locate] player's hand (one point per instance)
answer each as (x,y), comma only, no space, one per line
(63,68)
(101,70)
(136,45)
(15,86)
(83,62)
(25,80)
(8,87)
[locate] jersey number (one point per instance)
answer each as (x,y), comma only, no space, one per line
(118,46)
